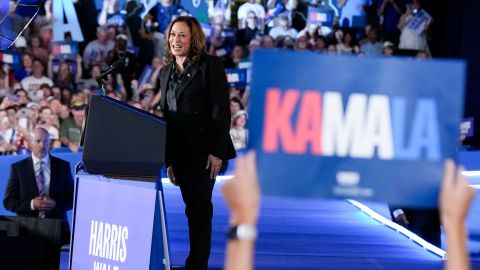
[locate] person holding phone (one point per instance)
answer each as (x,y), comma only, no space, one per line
(411,39)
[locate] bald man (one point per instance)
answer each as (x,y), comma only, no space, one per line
(41,185)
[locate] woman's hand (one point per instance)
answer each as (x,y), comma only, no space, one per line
(215,164)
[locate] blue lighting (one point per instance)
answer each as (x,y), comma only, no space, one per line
(426,245)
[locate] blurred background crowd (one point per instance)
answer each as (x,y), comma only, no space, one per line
(50,88)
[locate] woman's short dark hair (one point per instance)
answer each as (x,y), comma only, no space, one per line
(198,42)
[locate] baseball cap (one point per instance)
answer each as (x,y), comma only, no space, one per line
(388,44)
(121,36)
(78,104)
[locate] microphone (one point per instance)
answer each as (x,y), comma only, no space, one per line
(118,65)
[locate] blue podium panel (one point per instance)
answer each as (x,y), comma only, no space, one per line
(117,225)
(351,127)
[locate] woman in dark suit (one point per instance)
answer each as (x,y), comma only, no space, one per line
(195,104)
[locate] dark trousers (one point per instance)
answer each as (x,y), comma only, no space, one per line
(196,187)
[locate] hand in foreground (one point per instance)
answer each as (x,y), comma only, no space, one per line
(242,192)
(215,164)
(455,196)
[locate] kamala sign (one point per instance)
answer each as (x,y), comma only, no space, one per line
(364,128)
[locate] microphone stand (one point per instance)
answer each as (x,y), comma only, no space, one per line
(103,82)
(102,79)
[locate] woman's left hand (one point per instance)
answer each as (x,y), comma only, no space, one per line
(214,163)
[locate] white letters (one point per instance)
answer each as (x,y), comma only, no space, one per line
(378,130)
(123,254)
(108,241)
(93,237)
(342,132)
(61,8)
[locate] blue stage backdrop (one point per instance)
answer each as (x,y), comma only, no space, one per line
(350,127)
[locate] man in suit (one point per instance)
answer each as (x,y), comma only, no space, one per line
(41,186)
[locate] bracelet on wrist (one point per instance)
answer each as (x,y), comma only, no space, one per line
(242,232)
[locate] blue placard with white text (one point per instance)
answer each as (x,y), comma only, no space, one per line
(236,77)
(349,127)
(65,50)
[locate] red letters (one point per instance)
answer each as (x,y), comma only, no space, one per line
(278,122)
(309,123)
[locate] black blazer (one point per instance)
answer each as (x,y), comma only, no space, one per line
(22,188)
(203,113)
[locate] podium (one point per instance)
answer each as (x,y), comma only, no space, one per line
(29,242)
(119,219)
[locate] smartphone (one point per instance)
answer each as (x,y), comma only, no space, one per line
(14,98)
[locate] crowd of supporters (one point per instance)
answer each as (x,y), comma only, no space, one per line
(53,93)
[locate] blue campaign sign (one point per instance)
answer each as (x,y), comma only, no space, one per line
(65,50)
(146,75)
(322,15)
(197,8)
(208,30)
(348,127)
(10,58)
(236,77)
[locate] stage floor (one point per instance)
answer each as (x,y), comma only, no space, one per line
(303,234)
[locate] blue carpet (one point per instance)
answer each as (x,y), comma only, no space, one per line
(303,234)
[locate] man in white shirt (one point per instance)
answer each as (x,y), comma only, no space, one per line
(33,82)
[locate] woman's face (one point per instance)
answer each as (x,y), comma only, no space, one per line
(45,114)
(240,121)
(27,61)
(64,111)
(64,68)
(180,39)
(35,42)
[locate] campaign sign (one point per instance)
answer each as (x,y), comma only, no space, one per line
(65,50)
(467,127)
(349,127)
(113,225)
(146,75)
(208,31)
(417,22)
(198,9)
(10,58)
(322,16)
(236,77)
(248,66)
